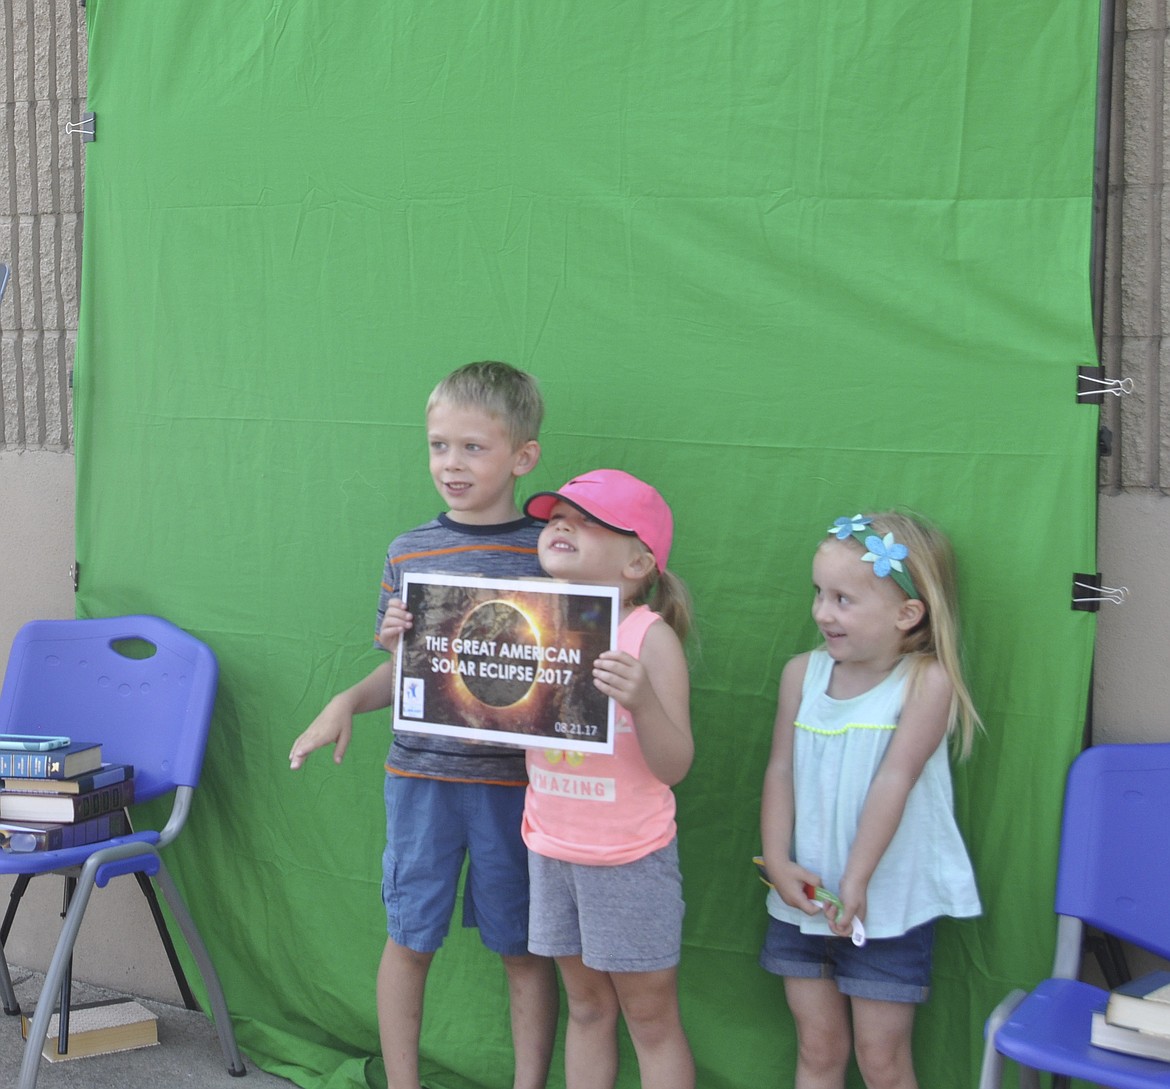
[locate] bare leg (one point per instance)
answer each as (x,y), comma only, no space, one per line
(883,1031)
(534,1003)
(591,1060)
(649,1002)
(402,979)
(822,1031)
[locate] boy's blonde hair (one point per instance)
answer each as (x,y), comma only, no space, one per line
(931,567)
(499,389)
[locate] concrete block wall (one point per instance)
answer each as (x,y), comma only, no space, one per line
(41,163)
(1131,689)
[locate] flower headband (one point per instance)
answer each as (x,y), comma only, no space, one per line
(884,553)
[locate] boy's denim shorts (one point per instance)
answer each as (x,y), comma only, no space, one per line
(431,826)
(886,969)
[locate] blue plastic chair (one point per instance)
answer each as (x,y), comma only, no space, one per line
(1113,874)
(145,689)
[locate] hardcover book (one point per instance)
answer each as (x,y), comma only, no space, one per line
(1142,1003)
(45,836)
(1149,1045)
(75,759)
(98,1028)
(65,808)
(106,775)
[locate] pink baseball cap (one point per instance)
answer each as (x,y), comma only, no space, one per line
(618,501)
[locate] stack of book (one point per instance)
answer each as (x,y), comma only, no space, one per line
(63,797)
(1136,1019)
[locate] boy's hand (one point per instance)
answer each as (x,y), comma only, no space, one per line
(395,621)
(333,726)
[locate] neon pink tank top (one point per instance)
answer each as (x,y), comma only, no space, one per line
(596,809)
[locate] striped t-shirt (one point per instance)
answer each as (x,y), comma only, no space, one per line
(445,547)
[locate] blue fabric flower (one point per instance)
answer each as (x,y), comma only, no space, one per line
(844,528)
(885,554)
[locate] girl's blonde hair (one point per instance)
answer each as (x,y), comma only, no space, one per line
(931,567)
(669,597)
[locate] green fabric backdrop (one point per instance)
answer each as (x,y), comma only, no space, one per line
(786,259)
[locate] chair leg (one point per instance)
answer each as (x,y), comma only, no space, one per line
(66,988)
(219,1010)
(7,992)
(991,1072)
(38,1029)
(18,887)
(168,945)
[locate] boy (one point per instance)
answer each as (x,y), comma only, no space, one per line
(445,797)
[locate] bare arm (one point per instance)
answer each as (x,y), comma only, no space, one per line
(921,728)
(334,725)
(656,689)
(778,809)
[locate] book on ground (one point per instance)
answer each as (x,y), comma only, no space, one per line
(106,775)
(97,1028)
(79,757)
(1142,1003)
(47,836)
(65,808)
(1149,1045)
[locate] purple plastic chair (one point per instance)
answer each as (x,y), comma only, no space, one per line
(145,689)
(1113,874)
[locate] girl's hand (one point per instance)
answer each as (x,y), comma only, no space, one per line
(622,677)
(395,621)
(656,690)
(789,882)
(853,901)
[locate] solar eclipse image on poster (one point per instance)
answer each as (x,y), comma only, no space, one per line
(506,660)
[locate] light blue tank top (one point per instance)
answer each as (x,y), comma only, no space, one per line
(838,744)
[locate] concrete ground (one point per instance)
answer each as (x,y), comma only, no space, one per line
(187,1054)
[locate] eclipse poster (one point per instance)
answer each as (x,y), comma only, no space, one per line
(506,660)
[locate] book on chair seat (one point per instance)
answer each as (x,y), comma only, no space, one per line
(22,836)
(77,758)
(98,1028)
(1149,1045)
(106,775)
(65,808)
(1142,1003)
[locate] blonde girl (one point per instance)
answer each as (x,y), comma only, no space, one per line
(860,841)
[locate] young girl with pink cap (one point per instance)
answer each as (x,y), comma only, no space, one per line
(606,892)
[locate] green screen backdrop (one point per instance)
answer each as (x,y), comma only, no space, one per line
(786,259)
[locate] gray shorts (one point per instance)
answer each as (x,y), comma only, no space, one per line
(624,918)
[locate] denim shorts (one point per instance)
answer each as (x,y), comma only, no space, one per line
(431,826)
(625,918)
(886,969)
